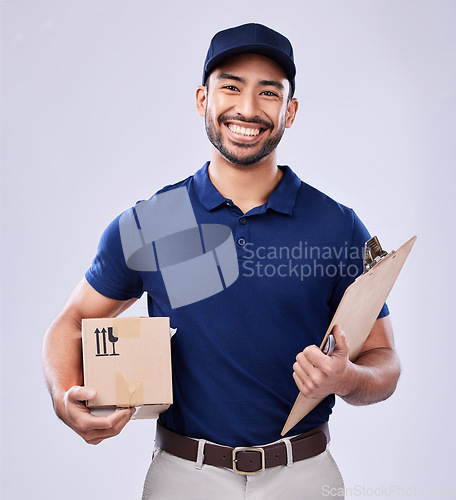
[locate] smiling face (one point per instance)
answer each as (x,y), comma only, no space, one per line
(246,108)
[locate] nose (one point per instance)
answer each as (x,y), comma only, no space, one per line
(248,105)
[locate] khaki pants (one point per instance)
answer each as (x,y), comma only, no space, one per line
(170,477)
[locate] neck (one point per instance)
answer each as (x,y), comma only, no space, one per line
(247,186)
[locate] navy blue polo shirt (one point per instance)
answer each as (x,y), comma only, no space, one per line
(233,352)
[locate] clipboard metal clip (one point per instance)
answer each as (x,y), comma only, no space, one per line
(373,253)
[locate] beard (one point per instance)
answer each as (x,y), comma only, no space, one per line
(268,147)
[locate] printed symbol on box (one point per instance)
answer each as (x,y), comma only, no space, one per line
(196,260)
(113,339)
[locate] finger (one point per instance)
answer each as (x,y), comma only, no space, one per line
(95,436)
(79,415)
(112,424)
(120,416)
(116,419)
(85,423)
(299,372)
(307,373)
(94,441)
(306,386)
(299,383)
(315,356)
(341,346)
(305,365)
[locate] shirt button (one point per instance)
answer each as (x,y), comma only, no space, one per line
(243,221)
(241,242)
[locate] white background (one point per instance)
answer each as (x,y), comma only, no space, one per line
(97,108)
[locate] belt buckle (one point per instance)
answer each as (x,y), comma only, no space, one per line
(249,449)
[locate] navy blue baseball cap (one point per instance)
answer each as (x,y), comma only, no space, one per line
(251,38)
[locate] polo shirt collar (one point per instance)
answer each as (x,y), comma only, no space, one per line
(207,193)
(282,199)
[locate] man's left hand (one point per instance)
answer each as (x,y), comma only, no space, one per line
(318,375)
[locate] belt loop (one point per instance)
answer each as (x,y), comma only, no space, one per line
(289,451)
(200,455)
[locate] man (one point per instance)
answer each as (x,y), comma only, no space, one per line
(238,353)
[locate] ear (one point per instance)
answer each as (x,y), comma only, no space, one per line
(292,109)
(201,100)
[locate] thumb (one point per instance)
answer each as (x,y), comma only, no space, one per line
(78,393)
(341,347)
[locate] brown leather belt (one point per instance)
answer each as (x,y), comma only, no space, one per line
(245,460)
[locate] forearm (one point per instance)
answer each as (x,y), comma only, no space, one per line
(62,353)
(62,362)
(62,358)
(371,378)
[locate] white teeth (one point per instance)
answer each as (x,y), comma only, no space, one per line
(243,131)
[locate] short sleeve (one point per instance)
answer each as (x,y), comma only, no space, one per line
(353,265)
(109,274)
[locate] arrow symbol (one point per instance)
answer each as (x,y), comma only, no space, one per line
(97,333)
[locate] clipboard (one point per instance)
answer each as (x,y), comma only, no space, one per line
(358,309)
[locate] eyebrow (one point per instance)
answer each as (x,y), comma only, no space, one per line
(266,83)
(230,76)
(272,83)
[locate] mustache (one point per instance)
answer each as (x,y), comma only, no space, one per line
(241,118)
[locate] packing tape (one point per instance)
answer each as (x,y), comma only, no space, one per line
(128,328)
(128,393)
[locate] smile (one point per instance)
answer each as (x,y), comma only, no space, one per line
(249,132)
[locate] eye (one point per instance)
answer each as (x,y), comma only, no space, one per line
(230,87)
(269,93)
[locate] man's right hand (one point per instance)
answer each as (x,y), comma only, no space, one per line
(62,362)
(74,412)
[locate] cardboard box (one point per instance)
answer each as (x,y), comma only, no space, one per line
(128,362)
